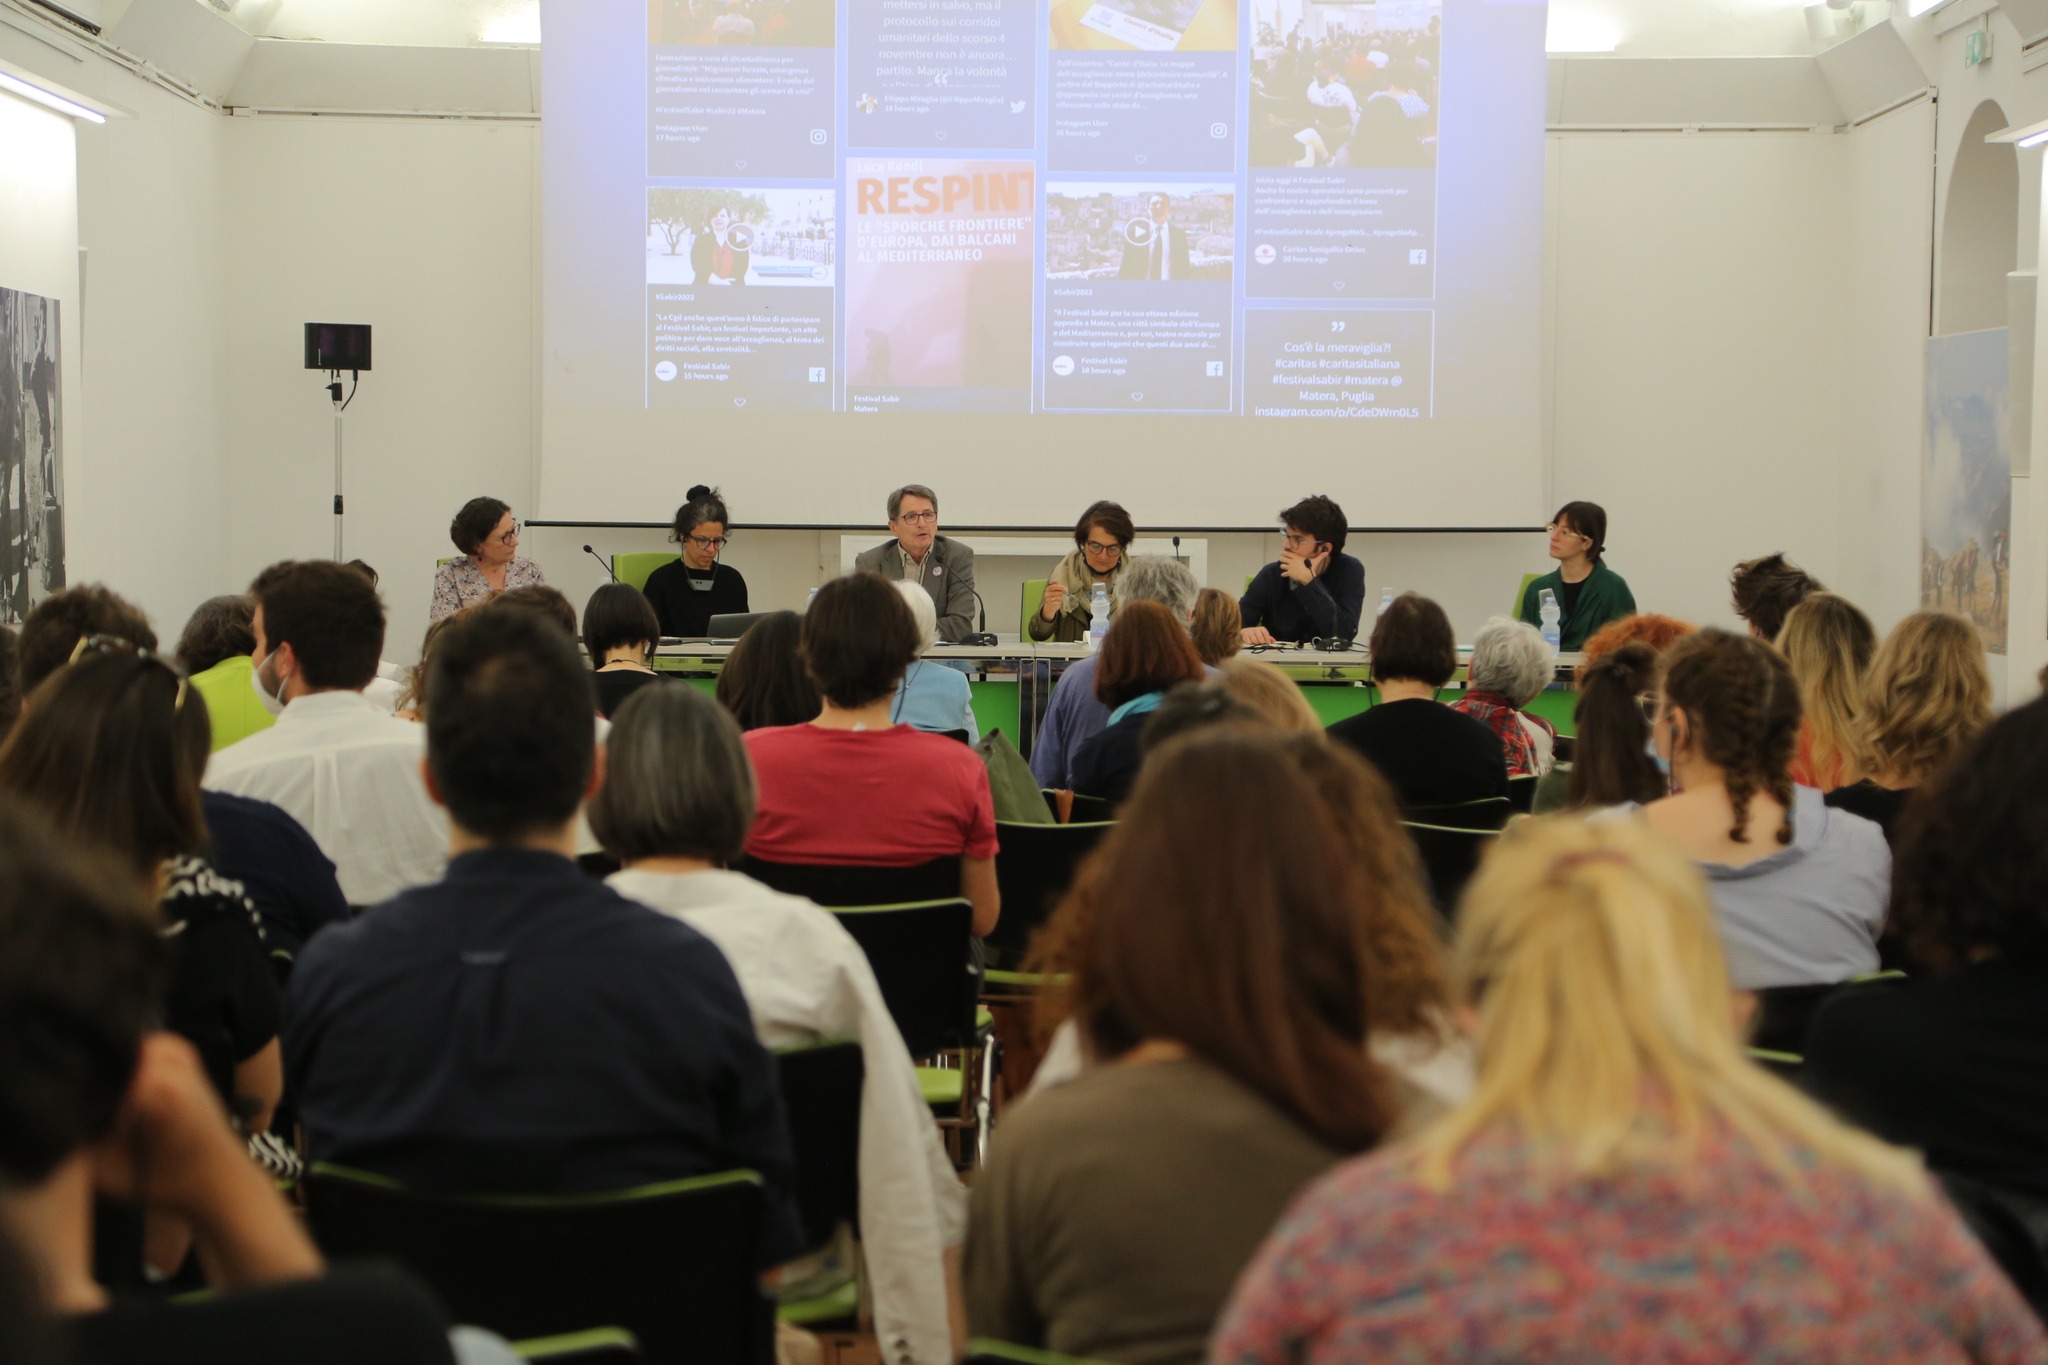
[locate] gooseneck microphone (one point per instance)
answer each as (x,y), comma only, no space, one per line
(609,571)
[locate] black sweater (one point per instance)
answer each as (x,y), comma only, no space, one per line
(685,610)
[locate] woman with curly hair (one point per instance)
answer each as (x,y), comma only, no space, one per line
(1955,1063)
(1928,695)
(1799,889)
(1260,1013)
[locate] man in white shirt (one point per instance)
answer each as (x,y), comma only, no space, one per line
(1327,92)
(347,771)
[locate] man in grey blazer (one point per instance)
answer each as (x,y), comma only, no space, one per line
(944,568)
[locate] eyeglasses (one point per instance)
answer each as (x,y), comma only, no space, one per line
(1294,539)
(510,537)
(1098,549)
(709,542)
(1556,527)
(1646,702)
(114,644)
(919,518)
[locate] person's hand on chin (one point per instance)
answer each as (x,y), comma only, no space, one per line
(1300,568)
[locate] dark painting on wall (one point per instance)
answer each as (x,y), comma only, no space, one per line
(31,454)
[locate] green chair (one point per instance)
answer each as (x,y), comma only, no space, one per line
(1028,602)
(821,1088)
(676,1264)
(1450,856)
(1035,865)
(598,1346)
(1488,813)
(1515,612)
(1522,793)
(635,567)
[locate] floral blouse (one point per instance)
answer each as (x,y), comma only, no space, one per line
(460,583)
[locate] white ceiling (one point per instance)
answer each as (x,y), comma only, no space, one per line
(1635,28)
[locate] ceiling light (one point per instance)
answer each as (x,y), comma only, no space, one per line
(521,28)
(49,100)
(1916,8)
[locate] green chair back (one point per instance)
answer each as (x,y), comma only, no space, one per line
(1489,813)
(1029,601)
(635,567)
(598,1346)
(831,885)
(676,1264)
(923,958)
(1035,865)
(1515,612)
(1449,858)
(821,1084)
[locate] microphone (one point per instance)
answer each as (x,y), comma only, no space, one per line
(1176,547)
(609,571)
(981,636)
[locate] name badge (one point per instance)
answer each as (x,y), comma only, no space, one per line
(938,569)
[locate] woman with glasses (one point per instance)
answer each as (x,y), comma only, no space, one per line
(1102,544)
(688,593)
(488,535)
(1588,593)
(1314,591)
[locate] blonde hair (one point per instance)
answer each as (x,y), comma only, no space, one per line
(1927,695)
(1608,1039)
(1829,643)
(1271,693)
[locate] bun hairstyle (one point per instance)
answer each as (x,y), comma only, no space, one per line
(700,505)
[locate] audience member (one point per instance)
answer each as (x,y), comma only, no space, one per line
(620,632)
(931,696)
(54,626)
(851,787)
(1611,763)
(487,535)
(1625,1185)
(333,762)
(580,1042)
(1102,545)
(1271,693)
(412,704)
(1147,653)
(1829,643)
(943,567)
(1429,753)
(1765,590)
(91,1100)
(763,682)
(1926,696)
(1955,1064)
(1075,714)
(1510,666)
(549,604)
(677,802)
(1799,889)
(1314,591)
(1217,628)
(1648,628)
(694,587)
(112,756)
(214,651)
(1223,1014)
(1588,593)
(1191,706)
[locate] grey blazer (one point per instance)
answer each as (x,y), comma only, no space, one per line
(948,576)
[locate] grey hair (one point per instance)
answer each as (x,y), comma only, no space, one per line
(1162,579)
(677,780)
(1509,657)
(921,610)
(911,490)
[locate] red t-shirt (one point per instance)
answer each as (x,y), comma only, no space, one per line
(868,798)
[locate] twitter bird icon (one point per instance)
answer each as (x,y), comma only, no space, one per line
(1016,106)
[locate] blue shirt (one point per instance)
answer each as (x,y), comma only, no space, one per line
(279,866)
(935,698)
(1074,716)
(1327,607)
(518,1028)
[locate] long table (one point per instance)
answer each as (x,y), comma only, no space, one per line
(1036,666)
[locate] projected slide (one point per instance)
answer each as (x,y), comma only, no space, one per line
(1079,258)
(1009,227)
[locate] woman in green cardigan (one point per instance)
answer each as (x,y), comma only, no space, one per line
(1589,594)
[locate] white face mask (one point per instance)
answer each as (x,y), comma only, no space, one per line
(273,704)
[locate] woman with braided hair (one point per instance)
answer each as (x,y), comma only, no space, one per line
(1799,890)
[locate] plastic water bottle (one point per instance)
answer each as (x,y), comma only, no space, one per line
(1547,609)
(1098,617)
(1386,600)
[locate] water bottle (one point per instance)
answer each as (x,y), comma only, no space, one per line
(1386,600)
(1098,617)
(1551,617)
